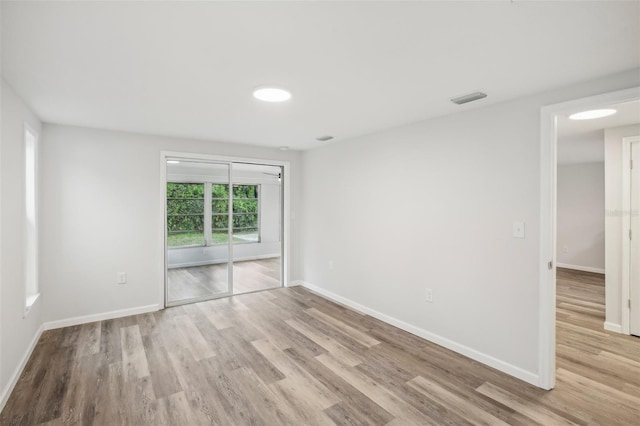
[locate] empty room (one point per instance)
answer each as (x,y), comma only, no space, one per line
(319,213)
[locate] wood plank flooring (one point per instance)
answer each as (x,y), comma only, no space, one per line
(198,281)
(596,369)
(290,357)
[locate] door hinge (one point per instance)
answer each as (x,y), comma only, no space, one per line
(631,164)
(629,233)
(629,303)
(550,265)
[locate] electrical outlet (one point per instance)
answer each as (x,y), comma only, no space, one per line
(121,278)
(565,249)
(429,295)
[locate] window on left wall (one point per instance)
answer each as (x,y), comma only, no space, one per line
(30,216)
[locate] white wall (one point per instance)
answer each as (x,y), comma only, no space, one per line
(270,213)
(101,215)
(613,222)
(580,218)
(432,205)
(16,332)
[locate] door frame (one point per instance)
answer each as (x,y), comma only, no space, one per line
(286,203)
(548,211)
(626,224)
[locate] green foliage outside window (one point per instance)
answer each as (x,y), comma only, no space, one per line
(185,213)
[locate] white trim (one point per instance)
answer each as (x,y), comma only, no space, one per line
(230,229)
(31,300)
(625,290)
(6,392)
(547,290)
(295,283)
(33,254)
(548,164)
(164,247)
(610,326)
(50,325)
(527,376)
(286,221)
(580,268)
(213,262)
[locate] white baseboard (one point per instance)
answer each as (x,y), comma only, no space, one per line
(580,268)
(100,317)
(505,367)
(295,283)
(611,326)
(235,259)
(6,392)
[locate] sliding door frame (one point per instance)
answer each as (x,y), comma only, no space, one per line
(285,217)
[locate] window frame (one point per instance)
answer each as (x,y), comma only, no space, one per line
(30,261)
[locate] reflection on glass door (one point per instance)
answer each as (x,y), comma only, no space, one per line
(224,229)
(257,227)
(198,248)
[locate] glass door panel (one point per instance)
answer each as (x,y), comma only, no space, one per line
(197,231)
(257,227)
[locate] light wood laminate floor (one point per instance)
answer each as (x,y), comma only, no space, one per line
(198,281)
(290,357)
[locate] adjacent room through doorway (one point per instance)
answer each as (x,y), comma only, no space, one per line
(593,218)
(224,229)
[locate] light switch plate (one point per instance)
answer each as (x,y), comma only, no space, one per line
(429,295)
(518,229)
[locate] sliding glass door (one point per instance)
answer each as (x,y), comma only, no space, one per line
(223,229)
(198,243)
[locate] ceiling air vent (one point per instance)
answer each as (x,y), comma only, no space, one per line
(469,97)
(324,138)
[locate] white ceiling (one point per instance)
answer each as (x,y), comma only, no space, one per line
(582,141)
(188,68)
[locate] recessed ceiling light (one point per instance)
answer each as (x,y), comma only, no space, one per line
(284,148)
(324,138)
(594,113)
(172,162)
(272,94)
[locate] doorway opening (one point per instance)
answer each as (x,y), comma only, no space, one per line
(581,292)
(224,228)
